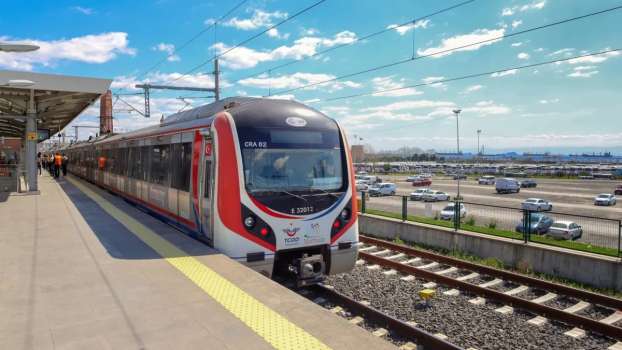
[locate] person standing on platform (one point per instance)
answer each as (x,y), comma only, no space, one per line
(64,164)
(58,162)
(39,160)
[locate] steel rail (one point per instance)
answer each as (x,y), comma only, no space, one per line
(403,329)
(584,295)
(543,310)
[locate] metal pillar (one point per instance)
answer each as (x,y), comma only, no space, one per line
(216,80)
(30,142)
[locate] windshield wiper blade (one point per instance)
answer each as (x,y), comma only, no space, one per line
(326,192)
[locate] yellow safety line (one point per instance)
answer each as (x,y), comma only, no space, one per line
(268,324)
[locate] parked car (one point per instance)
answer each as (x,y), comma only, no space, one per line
(418,194)
(371,179)
(586,177)
(361,186)
(507,185)
(605,199)
(565,230)
(528,183)
(618,190)
(486,180)
(448,212)
(422,182)
(435,196)
(382,189)
(539,224)
(536,204)
(412,178)
(459,177)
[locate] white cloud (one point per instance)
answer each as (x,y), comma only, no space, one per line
(566,52)
(409,105)
(169,49)
(274,33)
(472,88)
(97,48)
(583,72)
(402,30)
(516,23)
(431,80)
(540,49)
(523,56)
(517,44)
(389,83)
(485,108)
(545,102)
(310,31)
(83,10)
(245,57)
(504,73)
(594,59)
(536,5)
(282,97)
(259,19)
(297,80)
(457,42)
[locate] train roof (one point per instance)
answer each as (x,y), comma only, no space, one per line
(252,108)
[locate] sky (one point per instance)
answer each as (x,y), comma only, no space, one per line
(568,106)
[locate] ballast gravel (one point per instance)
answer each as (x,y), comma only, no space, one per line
(465,324)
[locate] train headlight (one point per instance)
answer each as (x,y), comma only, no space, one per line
(345,214)
(249,222)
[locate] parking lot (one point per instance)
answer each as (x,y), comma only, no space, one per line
(572,197)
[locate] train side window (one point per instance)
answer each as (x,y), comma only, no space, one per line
(208,178)
(181,162)
(144,169)
(160,164)
(134,162)
(123,161)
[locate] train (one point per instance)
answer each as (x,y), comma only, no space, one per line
(267,182)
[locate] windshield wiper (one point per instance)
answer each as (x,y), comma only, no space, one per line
(326,192)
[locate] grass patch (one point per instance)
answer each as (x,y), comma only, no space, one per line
(491,229)
(496,263)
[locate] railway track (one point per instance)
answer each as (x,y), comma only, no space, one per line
(407,335)
(460,275)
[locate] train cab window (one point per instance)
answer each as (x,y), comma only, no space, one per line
(208,178)
(160,165)
(181,163)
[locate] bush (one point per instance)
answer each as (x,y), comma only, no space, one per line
(470,221)
(398,240)
(492,224)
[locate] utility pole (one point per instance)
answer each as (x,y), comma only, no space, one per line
(457,113)
(147,89)
(479,131)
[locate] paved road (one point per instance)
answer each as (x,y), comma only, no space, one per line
(568,197)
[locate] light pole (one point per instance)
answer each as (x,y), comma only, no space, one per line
(479,131)
(457,113)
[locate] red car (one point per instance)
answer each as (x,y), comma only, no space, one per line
(422,182)
(618,190)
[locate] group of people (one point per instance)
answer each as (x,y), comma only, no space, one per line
(55,163)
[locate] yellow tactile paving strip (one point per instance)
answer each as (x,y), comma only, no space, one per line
(277,330)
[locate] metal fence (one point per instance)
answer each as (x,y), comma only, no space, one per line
(587,233)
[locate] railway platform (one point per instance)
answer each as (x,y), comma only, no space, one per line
(82,269)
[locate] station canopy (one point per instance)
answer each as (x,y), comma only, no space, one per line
(58,100)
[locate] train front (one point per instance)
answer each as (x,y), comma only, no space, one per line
(297,194)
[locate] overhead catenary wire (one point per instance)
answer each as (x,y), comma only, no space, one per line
(368,36)
(245,41)
(445,51)
(475,75)
(193,38)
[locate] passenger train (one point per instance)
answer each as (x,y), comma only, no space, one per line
(267,182)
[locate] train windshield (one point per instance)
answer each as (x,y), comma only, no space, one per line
(286,160)
(292,170)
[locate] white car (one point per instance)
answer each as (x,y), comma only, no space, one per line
(605,199)
(361,186)
(382,189)
(418,194)
(486,180)
(434,196)
(411,178)
(565,230)
(448,212)
(536,204)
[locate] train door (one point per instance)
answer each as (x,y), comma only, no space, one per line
(207,188)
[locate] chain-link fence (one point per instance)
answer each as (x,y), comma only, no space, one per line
(578,232)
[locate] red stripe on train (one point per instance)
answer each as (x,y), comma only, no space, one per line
(229,207)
